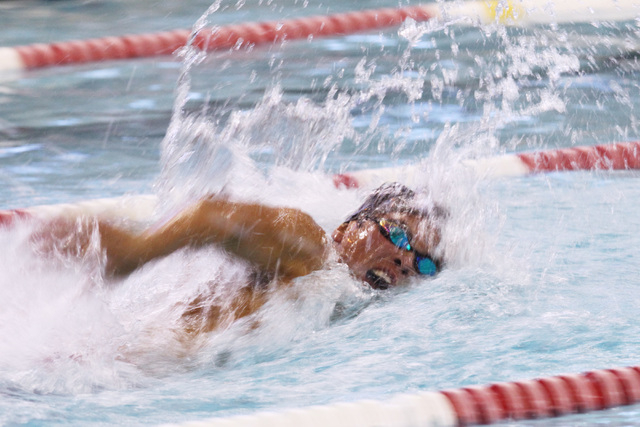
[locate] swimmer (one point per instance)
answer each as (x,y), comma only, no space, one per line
(387,240)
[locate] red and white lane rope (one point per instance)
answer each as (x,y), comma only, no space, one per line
(518,400)
(509,12)
(224,37)
(618,156)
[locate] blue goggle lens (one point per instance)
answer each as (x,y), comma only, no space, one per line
(398,237)
(425,265)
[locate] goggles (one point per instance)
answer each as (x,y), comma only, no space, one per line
(399,236)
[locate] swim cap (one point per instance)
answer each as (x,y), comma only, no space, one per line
(395,197)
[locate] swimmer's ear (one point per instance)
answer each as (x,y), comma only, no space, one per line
(338,233)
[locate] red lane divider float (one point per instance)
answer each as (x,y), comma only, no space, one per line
(165,43)
(546,397)
(600,157)
(515,12)
(8,217)
(618,156)
(518,400)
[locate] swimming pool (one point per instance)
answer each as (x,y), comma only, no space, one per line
(542,268)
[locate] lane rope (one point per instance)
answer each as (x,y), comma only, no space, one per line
(208,39)
(517,400)
(605,157)
(512,12)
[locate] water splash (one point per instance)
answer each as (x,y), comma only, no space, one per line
(278,150)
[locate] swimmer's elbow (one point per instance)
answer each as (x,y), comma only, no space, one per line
(122,250)
(294,270)
(303,259)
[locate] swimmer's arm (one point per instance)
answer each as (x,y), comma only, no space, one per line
(281,241)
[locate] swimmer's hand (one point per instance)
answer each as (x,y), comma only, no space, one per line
(284,242)
(75,237)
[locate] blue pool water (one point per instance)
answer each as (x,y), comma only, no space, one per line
(543,270)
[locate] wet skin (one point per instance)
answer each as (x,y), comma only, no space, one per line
(372,257)
(282,243)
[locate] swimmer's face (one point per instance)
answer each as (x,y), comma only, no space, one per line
(372,256)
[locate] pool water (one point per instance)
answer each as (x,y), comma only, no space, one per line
(542,270)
